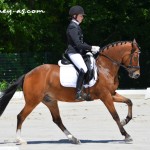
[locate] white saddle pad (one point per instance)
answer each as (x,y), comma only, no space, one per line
(69,75)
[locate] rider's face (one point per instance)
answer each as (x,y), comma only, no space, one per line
(80,18)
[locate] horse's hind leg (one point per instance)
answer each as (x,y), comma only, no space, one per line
(21,117)
(53,107)
(121,99)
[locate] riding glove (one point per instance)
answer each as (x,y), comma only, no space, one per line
(95,49)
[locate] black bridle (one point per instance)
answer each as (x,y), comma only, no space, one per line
(131,57)
(130,66)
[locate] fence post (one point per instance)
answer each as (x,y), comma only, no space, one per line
(147,95)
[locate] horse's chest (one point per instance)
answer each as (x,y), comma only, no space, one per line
(108,79)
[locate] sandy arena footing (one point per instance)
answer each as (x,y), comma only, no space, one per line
(90,122)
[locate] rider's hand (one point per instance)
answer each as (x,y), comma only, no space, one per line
(89,54)
(95,49)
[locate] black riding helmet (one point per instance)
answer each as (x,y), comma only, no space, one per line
(76,10)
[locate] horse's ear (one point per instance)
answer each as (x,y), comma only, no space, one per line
(134,41)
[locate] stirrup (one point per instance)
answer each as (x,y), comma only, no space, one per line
(79,96)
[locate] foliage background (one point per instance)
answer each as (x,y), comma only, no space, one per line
(39,33)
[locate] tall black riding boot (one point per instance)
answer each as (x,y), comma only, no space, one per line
(80,84)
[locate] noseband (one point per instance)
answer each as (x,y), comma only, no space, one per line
(130,66)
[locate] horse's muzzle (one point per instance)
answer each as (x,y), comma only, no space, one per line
(135,74)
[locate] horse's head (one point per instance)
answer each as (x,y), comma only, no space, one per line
(124,54)
(131,60)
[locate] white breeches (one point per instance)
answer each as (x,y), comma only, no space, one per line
(78,61)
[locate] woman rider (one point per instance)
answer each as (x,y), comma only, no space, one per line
(77,47)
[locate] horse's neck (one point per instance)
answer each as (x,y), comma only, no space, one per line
(109,64)
(116,53)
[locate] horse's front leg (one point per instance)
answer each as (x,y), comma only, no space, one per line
(121,99)
(108,101)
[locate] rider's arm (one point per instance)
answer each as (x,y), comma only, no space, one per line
(74,35)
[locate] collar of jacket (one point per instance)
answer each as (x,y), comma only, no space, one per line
(73,20)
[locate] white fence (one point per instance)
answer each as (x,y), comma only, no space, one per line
(147,94)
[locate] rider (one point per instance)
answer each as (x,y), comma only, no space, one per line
(77,47)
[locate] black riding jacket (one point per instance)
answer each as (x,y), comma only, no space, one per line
(75,40)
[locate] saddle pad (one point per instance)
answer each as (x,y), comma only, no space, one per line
(69,75)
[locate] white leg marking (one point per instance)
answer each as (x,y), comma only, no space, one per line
(19,139)
(71,137)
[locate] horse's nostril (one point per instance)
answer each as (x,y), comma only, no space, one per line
(136,76)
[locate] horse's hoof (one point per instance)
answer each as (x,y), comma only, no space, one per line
(20,141)
(74,140)
(128,139)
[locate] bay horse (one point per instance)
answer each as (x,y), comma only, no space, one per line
(42,84)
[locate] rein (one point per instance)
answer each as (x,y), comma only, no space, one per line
(114,61)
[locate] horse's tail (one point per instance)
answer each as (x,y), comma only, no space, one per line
(8,93)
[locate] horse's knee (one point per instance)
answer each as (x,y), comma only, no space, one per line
(129,102)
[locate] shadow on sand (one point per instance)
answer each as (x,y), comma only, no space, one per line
(65,141)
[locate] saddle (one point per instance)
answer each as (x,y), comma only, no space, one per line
(90,73)
(69,72)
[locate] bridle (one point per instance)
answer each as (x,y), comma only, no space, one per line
(130,66)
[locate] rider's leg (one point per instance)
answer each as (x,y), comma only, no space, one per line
(78,61)
(79,84)
(80,64)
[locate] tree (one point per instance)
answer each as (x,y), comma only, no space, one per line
(106,21)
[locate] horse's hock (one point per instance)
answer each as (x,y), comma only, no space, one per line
(147,95)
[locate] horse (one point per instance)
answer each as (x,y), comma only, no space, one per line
(42,84)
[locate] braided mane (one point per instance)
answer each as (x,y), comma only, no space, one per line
(114,44)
